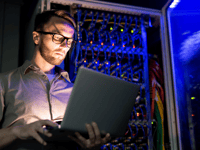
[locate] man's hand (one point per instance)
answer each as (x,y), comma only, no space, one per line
(95,141)
(31,130)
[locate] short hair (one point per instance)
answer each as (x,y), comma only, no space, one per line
(44,17)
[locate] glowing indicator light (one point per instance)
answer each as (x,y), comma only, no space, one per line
(101,43)
(117,64)
(113,44)
(132,31)
(122,30)
(192,98)
(174,3)
(107,63)
(84,61)
(123,45)
(111,28)
(95,62)
(80,41)
(91,42)
(152,122)
(133,46)
(138,114)
(193,115)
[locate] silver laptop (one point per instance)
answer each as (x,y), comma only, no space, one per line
(97,97)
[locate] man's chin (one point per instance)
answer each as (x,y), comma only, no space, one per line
(57,63)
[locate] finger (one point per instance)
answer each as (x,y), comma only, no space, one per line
(97,132)
(76,140)
(36,136)
(106,138)
(80,137)
(48,122)
(44,131)
(90,133)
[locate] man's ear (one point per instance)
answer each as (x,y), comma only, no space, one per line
(36,37)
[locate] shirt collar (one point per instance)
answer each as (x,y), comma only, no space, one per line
(28,66)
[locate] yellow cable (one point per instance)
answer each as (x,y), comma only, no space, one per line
(161,110)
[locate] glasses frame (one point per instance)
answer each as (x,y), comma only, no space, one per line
(72,43)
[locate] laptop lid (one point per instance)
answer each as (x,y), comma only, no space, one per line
(104,99)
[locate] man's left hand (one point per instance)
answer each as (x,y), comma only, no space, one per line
(95,141)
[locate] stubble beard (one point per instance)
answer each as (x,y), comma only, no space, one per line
(47,55)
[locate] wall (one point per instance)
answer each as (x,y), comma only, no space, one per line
(9,34)
(28,16)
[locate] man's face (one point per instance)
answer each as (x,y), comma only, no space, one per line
(51,52)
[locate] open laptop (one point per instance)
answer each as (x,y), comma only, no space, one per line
(97,97)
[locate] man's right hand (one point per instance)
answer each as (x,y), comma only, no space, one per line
(31,130)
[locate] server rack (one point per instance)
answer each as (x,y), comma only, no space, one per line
(124,55)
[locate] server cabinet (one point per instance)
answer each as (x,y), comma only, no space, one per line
(183,28)
(112,39)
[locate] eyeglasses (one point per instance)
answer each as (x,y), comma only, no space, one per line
(58,38)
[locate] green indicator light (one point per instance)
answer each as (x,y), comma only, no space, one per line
(192,98)
(122,30)
(152,122)
(132,31)
(111,28)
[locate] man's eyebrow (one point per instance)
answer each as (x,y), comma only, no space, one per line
(54,31)
(57,31)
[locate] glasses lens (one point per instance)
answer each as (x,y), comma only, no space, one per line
(57,38)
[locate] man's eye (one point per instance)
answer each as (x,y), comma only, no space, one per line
(58,37)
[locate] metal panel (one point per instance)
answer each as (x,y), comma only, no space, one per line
(106,6)
(169,94)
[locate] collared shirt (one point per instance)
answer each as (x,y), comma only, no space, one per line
(27,95)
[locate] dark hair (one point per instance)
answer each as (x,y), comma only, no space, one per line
(43,18)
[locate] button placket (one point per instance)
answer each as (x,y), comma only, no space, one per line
(48,85)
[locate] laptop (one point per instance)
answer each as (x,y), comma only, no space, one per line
(97,97)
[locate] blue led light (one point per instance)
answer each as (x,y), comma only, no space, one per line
(174,3)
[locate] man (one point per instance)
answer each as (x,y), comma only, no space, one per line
(38,91)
